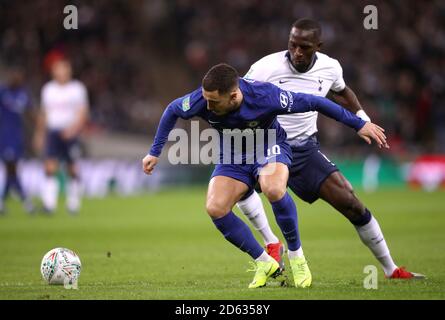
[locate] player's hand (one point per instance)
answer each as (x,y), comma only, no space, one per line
(148,163)
(370,131)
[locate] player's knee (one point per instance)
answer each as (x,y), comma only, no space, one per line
(273,193)
(216,210)
(50,171)
(50,167)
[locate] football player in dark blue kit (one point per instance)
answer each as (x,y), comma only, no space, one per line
(14,103)
(227,102)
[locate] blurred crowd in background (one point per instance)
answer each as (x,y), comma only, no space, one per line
(136,56)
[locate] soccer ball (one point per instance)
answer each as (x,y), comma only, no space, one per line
(60,266)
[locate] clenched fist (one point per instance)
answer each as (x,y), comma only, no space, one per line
(148,163)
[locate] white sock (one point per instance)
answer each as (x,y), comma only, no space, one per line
(264,257)
(295,254)
(73,195)
(372,236)
(253,209)
(50,193)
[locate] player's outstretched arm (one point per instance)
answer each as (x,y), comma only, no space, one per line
(348,100)
(366,130)
(184,108)
(291,102)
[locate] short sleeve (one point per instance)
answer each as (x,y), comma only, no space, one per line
(339,83)
(257,71)
(82,95)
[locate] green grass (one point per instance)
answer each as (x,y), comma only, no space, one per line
(164,246)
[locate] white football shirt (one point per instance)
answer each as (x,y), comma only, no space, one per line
(326,74)
(63,102)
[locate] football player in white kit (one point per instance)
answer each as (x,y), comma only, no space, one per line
(302,68)
(64,113)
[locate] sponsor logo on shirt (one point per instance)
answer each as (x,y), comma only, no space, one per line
(284,100)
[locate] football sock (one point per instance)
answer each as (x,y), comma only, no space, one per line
(50,193)
(264,257)
(295,253)
(372,236)
(73,195)
(7,187)
(239,234)
(286,216)
(253,209)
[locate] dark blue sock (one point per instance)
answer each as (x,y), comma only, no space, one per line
(15,182)
(239,234)
(286,215)
(7,187)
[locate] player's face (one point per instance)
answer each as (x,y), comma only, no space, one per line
(302,46)
(61,71)
(220,104)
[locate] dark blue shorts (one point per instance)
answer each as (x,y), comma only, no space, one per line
(248,173)
(11,151)
(60,149)
(309,169)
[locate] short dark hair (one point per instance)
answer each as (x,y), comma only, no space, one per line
(222,77)
(308,25)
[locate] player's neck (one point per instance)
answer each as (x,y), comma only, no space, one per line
(309,66)
(62,82)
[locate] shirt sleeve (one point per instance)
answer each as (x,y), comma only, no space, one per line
(185,107)
(339,83)
(83,96)
(284,102)
(257,72)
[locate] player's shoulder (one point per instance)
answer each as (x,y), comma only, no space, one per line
(273,58)
(49,86)
(327,61)
(254,87)
(191,102)
(257,92)
(77,85)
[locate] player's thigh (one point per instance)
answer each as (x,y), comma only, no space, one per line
(309,169)
(222,194)
(338,191)
(273,180)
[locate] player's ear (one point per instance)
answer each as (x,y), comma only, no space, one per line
(320,43)
(233,95)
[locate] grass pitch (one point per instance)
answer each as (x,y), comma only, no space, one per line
(164,246)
